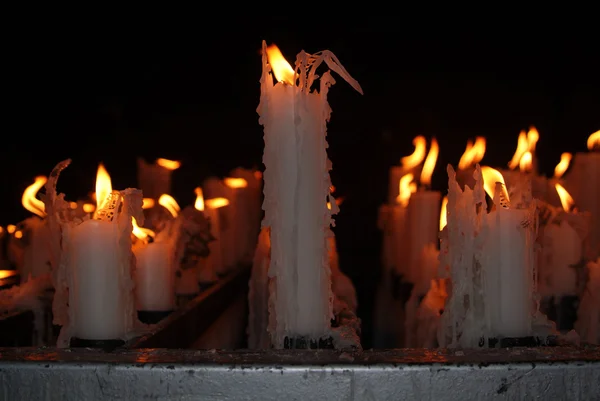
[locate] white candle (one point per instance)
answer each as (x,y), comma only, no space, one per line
(254,206)
(296,186)
(239,240)
(215,188)
(213,208)
(588,313)
(562,248)
(258,295)
(155,179)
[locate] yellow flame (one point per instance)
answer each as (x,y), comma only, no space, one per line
(235,182)
(89,207)
(282,70)
(490,178)
(199,204)
(103,186)
(331,189)
(30,202)
(168,164)
(1,230)
(216,203)
(148,203)
(169,203)
(444,213)
(429,164)
(526,162)
(416,158)
(593,142)
(11,228)
(141,232)
(473,153)
(563,165)
(18,234)
(7,273)
(522,147)
(329,205)
(566,200)
(406,187)
(532,138)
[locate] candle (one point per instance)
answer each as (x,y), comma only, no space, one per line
(428,315)
(94,297)
(423,222)
(238,238)
(400,234)
(155,179)
(466,166)
(588,314)
(507,262)
(154,273)
(254,206)
(36,250)
(409,164)
(583,182)
(296,186)
(258,296)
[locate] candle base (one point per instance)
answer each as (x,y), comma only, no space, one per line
(307,343)
(528,341)
(105,345)
(152,317)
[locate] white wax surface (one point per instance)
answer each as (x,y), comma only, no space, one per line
(508,268)
(400,242)
(95,296)
(423,216)
(237,237)
(562,248)
(154,277)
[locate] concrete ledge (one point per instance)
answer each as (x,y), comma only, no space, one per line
(551,373)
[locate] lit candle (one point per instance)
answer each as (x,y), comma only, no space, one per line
(94,297)
(423,222)
(466,166)
(583,182)
(507,262)
(552,195)
(36,257)
(154,272)
(237,238)
(522,178)
(254,206)
(155,179)
(588,314)
(409,165)
(258,295)
(296,186)
(400,235)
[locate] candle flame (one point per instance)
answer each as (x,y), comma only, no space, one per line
(566,200)
(168,164)
(7,273)
(30,202)
(148,203)
(103,186)
(169,203)
(526,162)
(416,158)
(563,165)
(522,146)
(199,204)
(532,138)
(1,230)
(18,234)
(338,201)
(141,232)
(473,153)
(490,178)
(406,187)
(216,203)
(235,182)
(593,142)
(444,213)
(282,70)
(89,207)
(11,228)
(429,164)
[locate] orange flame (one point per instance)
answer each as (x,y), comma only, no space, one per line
(169,203)
(563,165)
(18,234)
(429,164)
(216,203)
(148,203)
(11,228)
(532,138)
(444,213)
(526,162)
(199,204)
(235,182)
(282,70)
(522,147)
(30,202)
(490,178)
(473,153)
(593,142)
(103,186)
(416,158)
(141,232)
(406,187)
(168,164)
(566,200)
(89,207)
(258,175)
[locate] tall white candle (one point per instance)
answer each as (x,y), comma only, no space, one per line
(562,248)
(296,186)
(258,295)
(215,188)
(155,179)
(239,242)
(254,205)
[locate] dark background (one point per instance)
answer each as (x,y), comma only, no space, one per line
(192,97)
